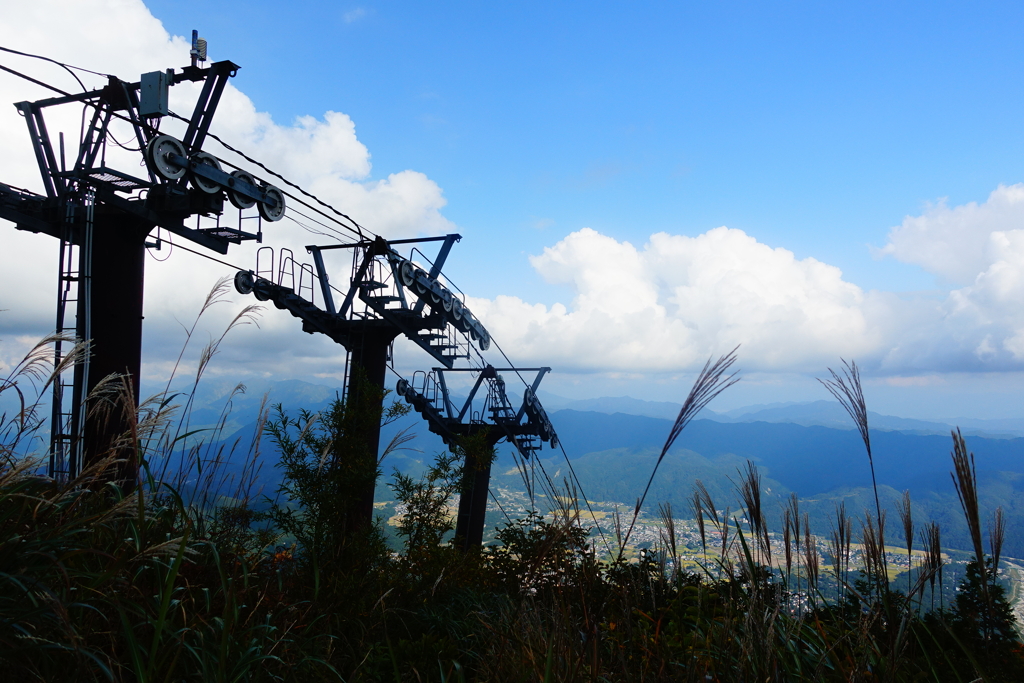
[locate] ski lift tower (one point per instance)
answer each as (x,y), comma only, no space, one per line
(102,215)
(390,294)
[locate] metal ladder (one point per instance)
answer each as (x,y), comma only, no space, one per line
(69,385)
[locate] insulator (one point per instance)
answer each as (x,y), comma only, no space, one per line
(201,49)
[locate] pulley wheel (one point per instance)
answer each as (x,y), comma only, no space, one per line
(241,201)
(244,282)
(276,212)
(418,285)
(485,340)
(199,182)
(457,309)
(157,151)
(447,300)
(259,292)
(402,388)
(407,273)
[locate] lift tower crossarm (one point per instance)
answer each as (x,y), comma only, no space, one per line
(102,215)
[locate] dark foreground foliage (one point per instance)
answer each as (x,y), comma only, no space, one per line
(97,584)
(101,583)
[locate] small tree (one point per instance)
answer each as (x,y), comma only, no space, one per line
(328,465)
(427,520)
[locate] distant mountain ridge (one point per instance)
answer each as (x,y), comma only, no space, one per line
(811,413)
(613,453)
(211,396)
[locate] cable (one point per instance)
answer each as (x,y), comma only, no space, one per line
(158,241)
(498,503)
(66,67)
(359,228)
(207,256)
(604,538)
(337,234)
(314,209)
(572,470)
(48,59)
(33,80)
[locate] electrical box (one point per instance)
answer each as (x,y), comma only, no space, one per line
(153,91)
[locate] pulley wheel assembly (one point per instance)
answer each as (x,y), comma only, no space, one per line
(199,182)
(244,281)
(276,212)
(156,153)
(237,199)
(418,285)
(407,273)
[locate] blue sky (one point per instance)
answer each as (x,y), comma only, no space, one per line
(808,126)
(865,161)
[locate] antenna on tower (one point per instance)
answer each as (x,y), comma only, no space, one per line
(101,210)
(198,51)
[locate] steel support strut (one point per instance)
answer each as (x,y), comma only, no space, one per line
(472,516)
(369,365)
(114,302)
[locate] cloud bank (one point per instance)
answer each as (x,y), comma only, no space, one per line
(677,300)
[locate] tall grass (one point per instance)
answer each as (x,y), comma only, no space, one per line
(711,381)
(156,583)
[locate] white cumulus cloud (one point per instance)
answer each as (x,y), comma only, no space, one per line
(678,300)
(322,153)
(955,243)
(980,247)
